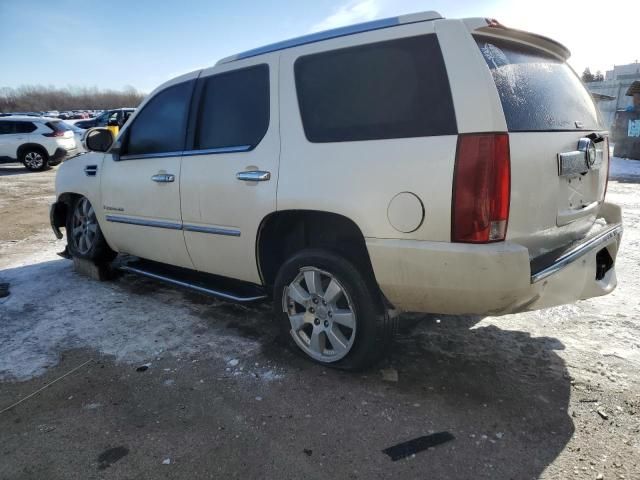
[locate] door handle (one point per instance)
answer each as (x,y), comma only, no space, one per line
(254,176)
(163,177)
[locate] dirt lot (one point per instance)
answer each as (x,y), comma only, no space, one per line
(550,394)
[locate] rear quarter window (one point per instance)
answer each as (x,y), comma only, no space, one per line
(392,89)
(538,91)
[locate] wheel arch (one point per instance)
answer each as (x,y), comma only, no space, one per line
(285,232)
(36,146)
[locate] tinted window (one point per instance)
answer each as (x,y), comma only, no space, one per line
(161,125)
(58,126)
(390,89)
(234,109)
(25,127)
(7,128)
(538,91)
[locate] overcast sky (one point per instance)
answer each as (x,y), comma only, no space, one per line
(142,43)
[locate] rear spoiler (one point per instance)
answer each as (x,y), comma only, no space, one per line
(488,26)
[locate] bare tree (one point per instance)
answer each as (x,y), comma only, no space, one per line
(37,98)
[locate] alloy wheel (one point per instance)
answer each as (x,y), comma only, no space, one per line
(321,315)
(34,160)
(84,226)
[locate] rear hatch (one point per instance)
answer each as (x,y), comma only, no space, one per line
(556,193)
(63,134)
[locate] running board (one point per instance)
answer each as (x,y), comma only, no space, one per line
(213,285)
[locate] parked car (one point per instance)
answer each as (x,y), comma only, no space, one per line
(36,142)
(78,133)
(407,164)
(119,115)
(52,114)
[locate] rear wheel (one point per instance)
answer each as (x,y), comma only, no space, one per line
(34,159)
(84,237)
(330,312)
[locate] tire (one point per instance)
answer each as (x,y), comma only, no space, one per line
(34,159)
(84,236)
(309,315)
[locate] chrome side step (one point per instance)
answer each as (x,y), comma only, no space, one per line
(197,286)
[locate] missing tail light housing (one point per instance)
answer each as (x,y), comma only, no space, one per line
(481,188)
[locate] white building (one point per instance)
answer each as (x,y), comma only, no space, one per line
(616,83)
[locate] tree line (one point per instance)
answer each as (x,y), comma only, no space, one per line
(588,77)
(37,98)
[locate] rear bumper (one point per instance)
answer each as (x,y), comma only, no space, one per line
(61,154)
(497,278)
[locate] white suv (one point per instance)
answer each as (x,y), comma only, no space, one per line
(407,164)
(37,142)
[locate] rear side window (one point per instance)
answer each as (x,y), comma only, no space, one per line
(25,127)
(161,125)
(393,89)
(58,126)
(538,91)
(234,109)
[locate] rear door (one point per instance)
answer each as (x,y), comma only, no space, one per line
(141,185)
(556,195)
(230,173)
(8,145)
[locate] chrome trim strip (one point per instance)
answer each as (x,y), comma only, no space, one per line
(231,232)
(208,151)
(197,288)
(151,155)
(143,222)
(335,33)
(189,153)
(578,251)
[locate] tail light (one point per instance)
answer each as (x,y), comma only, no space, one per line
(55,133)
(481,188)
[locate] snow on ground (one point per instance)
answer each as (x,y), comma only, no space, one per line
(52,308)
(623,168)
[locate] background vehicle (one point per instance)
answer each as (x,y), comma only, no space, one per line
(36,142)
(78,134)
(119,115)
(464,177)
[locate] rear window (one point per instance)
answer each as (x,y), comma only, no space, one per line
(58,126)
(538,91)
(392,89)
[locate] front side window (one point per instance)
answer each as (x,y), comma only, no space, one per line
(234,109)
(7,128)
(392,89)
(161,125)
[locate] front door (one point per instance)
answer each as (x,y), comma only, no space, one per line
(230,174)
(141,184)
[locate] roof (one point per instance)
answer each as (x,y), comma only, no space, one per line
(335,33)
(634,88)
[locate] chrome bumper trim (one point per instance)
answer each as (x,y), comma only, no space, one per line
(578,251)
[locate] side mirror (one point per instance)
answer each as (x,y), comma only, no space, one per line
(98,139)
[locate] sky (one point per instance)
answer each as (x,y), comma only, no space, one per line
(142,43)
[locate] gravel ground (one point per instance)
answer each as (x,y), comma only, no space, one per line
(176,385)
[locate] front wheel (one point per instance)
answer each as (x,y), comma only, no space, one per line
(34,159)
(84,237)
(330,312)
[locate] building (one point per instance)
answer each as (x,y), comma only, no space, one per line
(615,85)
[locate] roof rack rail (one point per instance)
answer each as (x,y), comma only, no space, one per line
(335,33)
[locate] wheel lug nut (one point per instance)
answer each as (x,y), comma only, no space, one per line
(316,321)
(326,323)
(315,300)
(312,310)
(330,314)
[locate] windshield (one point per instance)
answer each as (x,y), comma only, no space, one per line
(538,91)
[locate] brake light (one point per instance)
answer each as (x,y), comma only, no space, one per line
(493,23)
(55,133)
(481,188)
